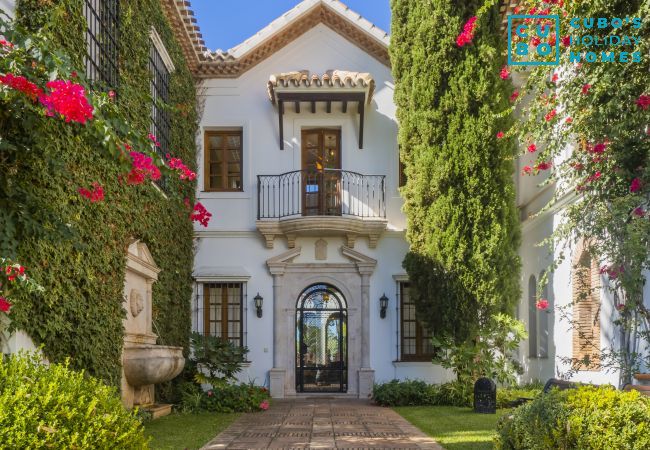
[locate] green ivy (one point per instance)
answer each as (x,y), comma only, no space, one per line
(80,313)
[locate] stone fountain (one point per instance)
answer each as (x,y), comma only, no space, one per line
(144,363)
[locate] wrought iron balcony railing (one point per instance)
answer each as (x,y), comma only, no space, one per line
(327,192)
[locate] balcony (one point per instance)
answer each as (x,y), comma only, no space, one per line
(317,202)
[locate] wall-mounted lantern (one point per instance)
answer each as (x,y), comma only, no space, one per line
(383,305)
(258,299)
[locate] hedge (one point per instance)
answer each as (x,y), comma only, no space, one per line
(584,418)
(54,407)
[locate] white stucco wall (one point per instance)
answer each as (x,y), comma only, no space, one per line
(8,6)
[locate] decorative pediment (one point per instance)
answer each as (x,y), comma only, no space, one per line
(278,263)
(139,260)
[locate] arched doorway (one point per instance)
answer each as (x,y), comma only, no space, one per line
(321,340)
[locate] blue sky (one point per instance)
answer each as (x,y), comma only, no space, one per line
(226,23)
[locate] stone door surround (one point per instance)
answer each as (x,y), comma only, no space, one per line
(290,279)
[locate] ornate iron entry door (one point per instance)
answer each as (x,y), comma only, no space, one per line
(321,340)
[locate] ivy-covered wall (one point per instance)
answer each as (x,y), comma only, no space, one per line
(80,313)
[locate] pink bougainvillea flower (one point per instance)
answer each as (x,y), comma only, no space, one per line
(68,99)
(505,73)
(96,195)
(143,168)
(22,84)
(264,405)
(639,212)
(210,393)
(643,102)
(153,139)
(517,9)
(5,306)
(552,39)
(635,185)
(568,120)
(594,177)
(554,78)
(542,304)
(514,96)
(184,171)
(535,41)
(551,114)
(200,214)
(15,271)
(544,165)
(585,88)
(598,148)
(111,94)
(6,44)
(527,170)
(532,148)
(500,135)
(566,41)
(467,35)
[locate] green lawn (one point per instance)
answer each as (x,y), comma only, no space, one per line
(186,431)
(454,428)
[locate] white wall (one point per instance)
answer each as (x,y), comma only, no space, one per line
(8,6)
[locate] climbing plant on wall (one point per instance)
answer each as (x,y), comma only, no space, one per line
(77,191)
(459,197)
(586,125)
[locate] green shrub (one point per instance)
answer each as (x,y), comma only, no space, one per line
(224,398)
(54,407)
(405,393)
(419,393)
(584,418)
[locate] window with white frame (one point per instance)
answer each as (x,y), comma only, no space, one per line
(221,311)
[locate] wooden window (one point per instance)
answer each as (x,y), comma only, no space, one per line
(532,317)
(415,338)
(223,160)
(402,174)
(585,282)
(223,311)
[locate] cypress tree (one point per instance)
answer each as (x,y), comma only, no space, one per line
(462,224)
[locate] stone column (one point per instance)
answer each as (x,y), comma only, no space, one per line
(366,374)
(277,374)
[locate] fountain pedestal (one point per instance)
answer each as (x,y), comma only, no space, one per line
(144,363)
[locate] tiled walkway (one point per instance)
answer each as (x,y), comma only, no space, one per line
(322,423)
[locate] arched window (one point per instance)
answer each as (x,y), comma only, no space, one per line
(543,323)
(532,317)
(585,282)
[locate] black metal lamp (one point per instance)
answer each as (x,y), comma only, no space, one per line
(258,299)
(383,305)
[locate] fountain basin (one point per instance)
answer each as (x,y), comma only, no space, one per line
(146,364)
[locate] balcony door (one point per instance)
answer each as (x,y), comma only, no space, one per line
(321,176)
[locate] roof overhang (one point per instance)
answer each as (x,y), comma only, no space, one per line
(334,86)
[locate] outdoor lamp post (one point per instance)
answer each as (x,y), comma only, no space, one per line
(258,299)
(383,304)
